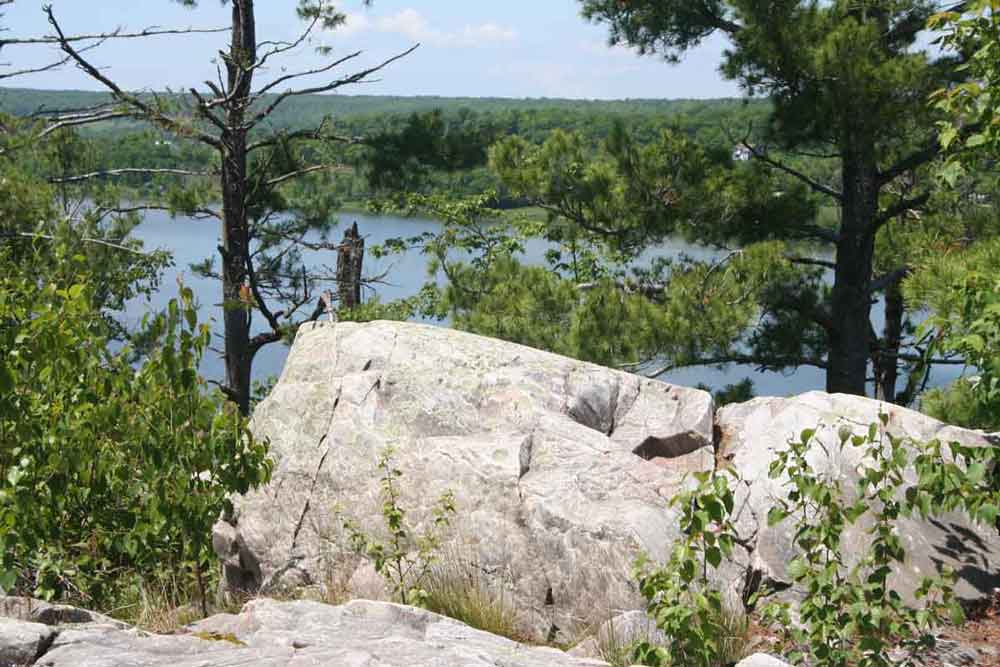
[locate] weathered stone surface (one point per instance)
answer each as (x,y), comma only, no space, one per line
(761,660)
(750,434)
(293,634)
(22,641)
(561,470)
(47,613)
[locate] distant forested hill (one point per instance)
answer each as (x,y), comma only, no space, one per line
(126,143)
(301,110)
(529,117)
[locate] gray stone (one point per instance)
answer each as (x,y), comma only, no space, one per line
(561,470)
(22,641)
(751,433)
(291,634)
(762,660)
(47,613)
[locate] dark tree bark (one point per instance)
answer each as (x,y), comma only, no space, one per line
(895,311)
(850,301)
(350,258)
(235,248)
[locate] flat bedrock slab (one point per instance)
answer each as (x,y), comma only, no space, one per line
(267,633)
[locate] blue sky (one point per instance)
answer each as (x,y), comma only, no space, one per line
(513,48)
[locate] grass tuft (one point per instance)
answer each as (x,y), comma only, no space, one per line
(457,588)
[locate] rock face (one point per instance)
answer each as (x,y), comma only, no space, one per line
(750,433)
(276,634)
(561,470)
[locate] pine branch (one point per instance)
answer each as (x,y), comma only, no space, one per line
(49,237)
(809,261)
(198,213)
(814,184)
(297,75)
(763,362)
(59,38)
(307,170)
(84,120)
(901,207)
(314,134)
(888,279)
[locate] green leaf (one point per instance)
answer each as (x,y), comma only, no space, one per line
(776,515)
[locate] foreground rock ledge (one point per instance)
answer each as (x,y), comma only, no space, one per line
(561,469)
(267,633)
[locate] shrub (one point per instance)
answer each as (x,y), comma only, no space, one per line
(700,630)
(850,615)
(404,559)
(109,474)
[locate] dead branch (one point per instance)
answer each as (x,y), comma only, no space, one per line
(107,173)
(333,85)
(152,114)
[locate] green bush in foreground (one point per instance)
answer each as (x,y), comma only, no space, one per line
(110,476)
(851,615)
(700,629)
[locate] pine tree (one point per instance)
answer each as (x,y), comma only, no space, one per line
(850,85)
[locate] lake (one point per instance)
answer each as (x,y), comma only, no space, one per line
(193,240)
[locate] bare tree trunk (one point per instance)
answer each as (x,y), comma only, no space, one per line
(888,353)
(350,258)
(235,247)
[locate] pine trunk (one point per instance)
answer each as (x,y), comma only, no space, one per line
(850,337)
(235,248)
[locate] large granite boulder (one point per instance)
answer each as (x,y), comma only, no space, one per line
(267,633)
(561,470)
(750,433)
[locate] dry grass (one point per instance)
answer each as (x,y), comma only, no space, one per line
(735,643)
(457,587)
(160,607)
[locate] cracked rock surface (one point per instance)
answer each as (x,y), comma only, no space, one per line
(267,633)
(561,469)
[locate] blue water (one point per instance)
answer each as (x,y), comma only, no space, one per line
(193,240)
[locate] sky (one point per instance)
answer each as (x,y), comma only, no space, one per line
(475,48)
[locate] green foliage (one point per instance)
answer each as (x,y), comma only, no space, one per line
(954,404)
(850,614)
(974,34)
(962,289)
(976,337)
(448,135)
(109,474)
(44,227)
(700,630)
(405,558)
